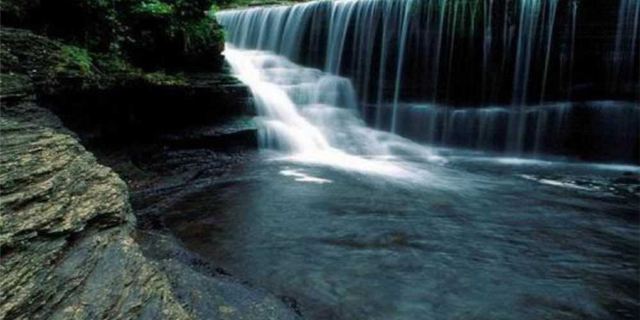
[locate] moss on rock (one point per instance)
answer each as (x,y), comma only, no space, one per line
(151,34)
(66,230)
(74,60)
(161,78)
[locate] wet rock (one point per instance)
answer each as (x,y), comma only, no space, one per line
(47,63)
(116,108)
(66,231)
(231,134)
(15,86)
(69,243)
(68,236)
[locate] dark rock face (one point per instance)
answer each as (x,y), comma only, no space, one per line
(124,108)
(41,60)
(237,132)
(138,110)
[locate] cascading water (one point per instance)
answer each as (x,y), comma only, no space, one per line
(312,116)
(625,64)
(464,54)
(434,35)
(545,129)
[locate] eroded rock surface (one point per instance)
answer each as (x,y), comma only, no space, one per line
(66,230)
(69,246)
(68,240)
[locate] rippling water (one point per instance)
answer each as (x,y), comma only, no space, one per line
(479,238)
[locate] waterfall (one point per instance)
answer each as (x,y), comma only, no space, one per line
(557,128)
(625,67)
(486,128)
(515,55)
(311,116)
(365,38)
(529,14)
(400,64)
(553,4)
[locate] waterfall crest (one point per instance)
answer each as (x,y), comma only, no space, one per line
(515,56)
(625,64)
(447,51)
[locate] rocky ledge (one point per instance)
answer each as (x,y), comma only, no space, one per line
(70,246)
(66,237)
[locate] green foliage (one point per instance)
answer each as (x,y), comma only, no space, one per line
(119,69)
(74,60)
(113,64)
(201,34)
(161,78)
(187,36)
(191,9)
(213,9)
(151,34)
(154,7)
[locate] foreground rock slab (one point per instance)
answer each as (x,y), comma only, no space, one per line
(66,227)
(70,246)
(67,240)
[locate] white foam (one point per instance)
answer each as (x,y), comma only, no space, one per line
(303,177)
(311,116)
(555,183)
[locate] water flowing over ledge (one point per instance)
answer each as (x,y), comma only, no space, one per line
(595,130)
(311,116)
(515,56)
(455,51)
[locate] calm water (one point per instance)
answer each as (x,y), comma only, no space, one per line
(475,238)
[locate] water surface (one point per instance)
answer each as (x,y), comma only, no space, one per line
(476,238)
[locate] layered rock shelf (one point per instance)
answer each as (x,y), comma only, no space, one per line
(71,245)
